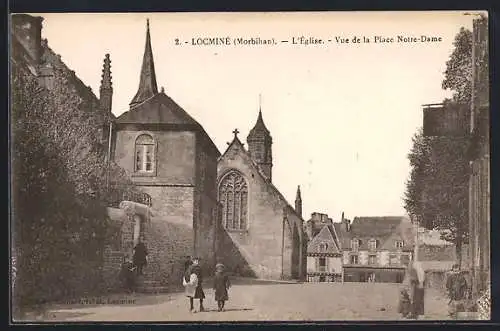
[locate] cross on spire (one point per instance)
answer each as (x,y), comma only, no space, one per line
(235,131)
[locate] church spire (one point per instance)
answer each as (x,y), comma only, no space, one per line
(298,202)
(147,82)
(259,145)
(106,89)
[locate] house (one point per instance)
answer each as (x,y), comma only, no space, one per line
(324,256)
(375,249)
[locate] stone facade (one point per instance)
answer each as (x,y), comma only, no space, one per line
(272,243)
(170,157)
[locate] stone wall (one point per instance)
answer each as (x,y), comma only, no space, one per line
(260,246)
(205,203)
(168,244)
(436,253)
(175,156)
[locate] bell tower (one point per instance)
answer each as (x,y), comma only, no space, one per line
(260,145)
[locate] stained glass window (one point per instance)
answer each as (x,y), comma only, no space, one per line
(233,195)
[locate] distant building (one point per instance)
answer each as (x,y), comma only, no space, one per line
(375,249)
(324,256)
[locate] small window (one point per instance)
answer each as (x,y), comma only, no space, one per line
(144,154)
(399,244)
(323,247)
(372,259)
(355,245)
(405,259)
(372,244)
(354,259)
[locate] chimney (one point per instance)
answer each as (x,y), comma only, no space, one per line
(346,222)
(27,30)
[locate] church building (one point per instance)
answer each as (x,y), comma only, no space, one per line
(169,156)
(262,235)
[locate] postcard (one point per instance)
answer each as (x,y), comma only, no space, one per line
(274,166)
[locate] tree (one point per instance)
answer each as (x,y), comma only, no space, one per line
(58,188)
(437,190)
(458,73)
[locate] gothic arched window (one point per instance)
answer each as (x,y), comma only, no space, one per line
(233,196)
(144,153)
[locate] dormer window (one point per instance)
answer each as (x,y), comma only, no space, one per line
(355,244)
(372,244)
(323,247)
(399,244)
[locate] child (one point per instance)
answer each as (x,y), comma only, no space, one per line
(404,303)
(190,283)
(221,286)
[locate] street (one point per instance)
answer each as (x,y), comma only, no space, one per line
(256,302)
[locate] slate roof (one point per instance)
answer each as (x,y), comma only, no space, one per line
(385,229)
(159,109)
(259,130)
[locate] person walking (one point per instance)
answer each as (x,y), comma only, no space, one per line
(456,286)
(140,258)
(221,286)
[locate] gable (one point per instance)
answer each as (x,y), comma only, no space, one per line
(235,153)
(324,236)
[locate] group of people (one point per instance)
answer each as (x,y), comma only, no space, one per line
(133,266)
(411,302)
(193,284)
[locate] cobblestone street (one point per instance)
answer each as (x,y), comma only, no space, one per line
(254,302)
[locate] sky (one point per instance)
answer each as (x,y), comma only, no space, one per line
(341,116)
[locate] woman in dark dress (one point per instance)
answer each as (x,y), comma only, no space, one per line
(221,286)
(140,257)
